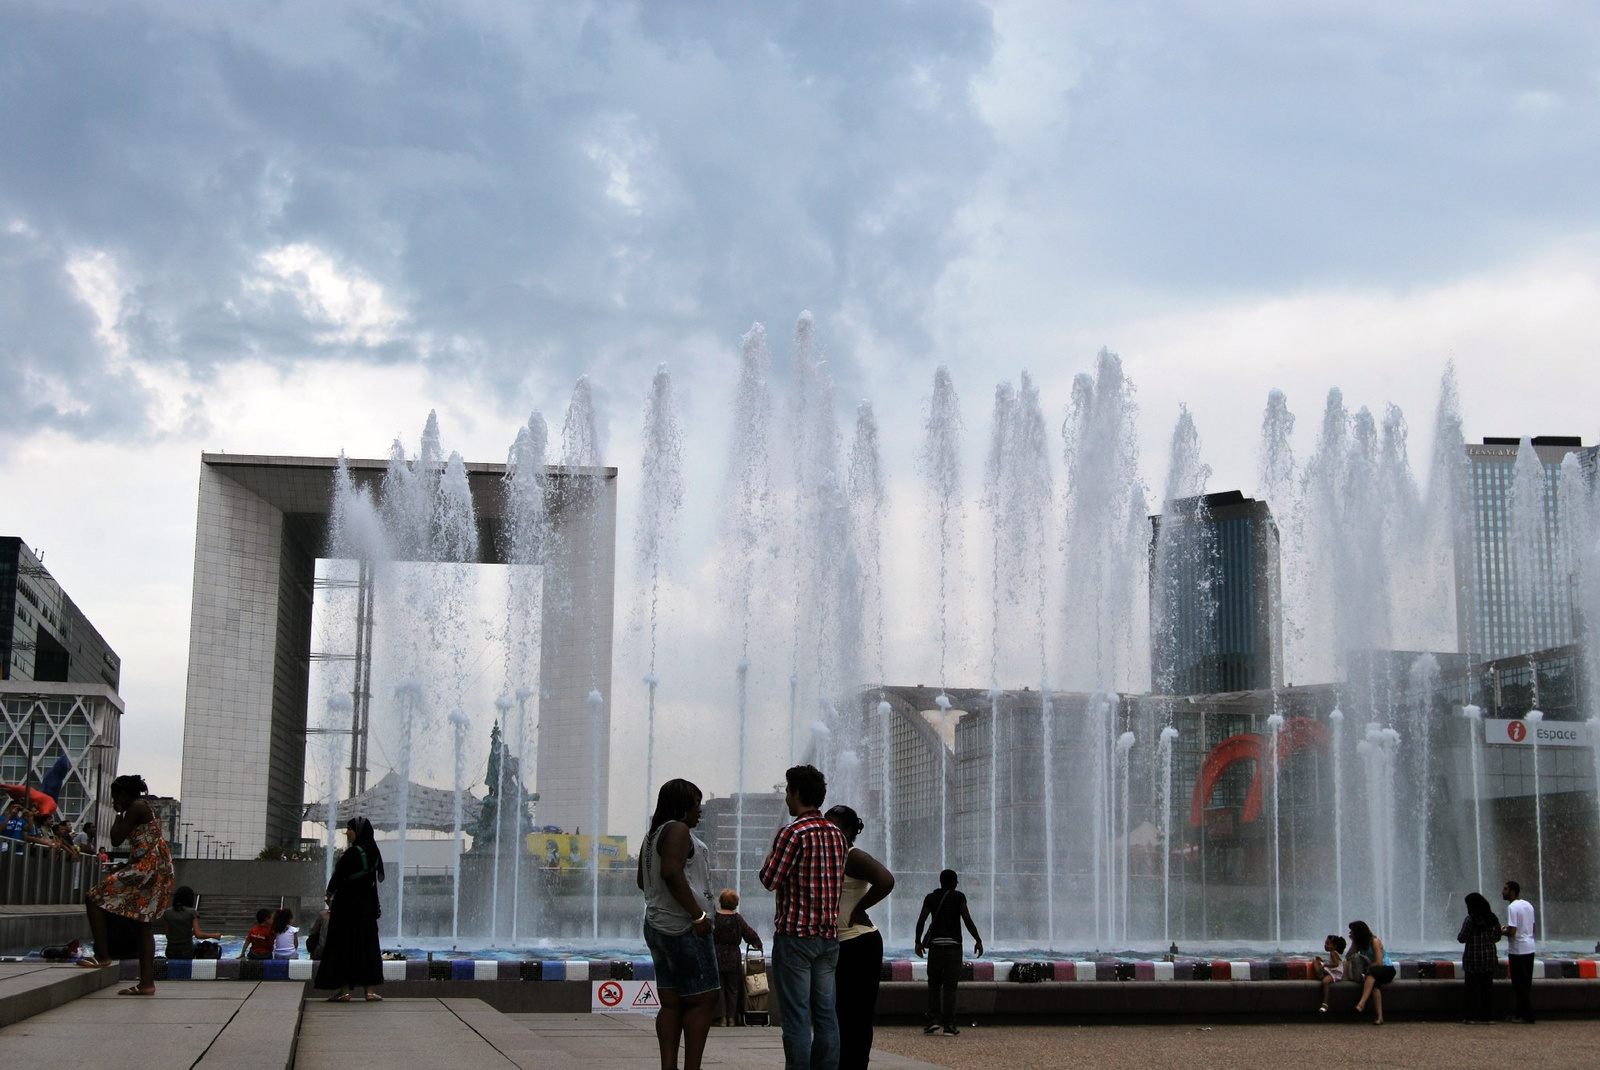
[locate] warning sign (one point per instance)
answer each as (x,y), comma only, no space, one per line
(624,997)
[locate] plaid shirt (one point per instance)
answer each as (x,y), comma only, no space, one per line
(806,869)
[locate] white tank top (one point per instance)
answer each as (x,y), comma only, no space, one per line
(850,893)
(662,912)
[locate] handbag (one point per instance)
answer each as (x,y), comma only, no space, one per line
(756,982)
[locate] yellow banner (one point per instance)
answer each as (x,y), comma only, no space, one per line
(562,851)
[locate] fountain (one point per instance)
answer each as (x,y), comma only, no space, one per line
(1274,760)
(1078,584)
(1169,736)
(1534,718)
(458,722)
(745,505)
(660,500)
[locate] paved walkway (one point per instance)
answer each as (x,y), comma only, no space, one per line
(30,988)
(207,1025)
(628,1042)
(1550,1045)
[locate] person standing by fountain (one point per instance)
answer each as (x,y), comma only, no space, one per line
(866,882)
(947,909)
(139,890)
(1520,947)
(675,876)
(730,931)
(805,867)
(350,954)
(1480,931)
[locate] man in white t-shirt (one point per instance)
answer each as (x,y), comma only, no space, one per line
(1519,950)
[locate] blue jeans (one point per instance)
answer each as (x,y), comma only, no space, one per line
(802,975)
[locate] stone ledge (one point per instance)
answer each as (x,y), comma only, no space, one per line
(27,989)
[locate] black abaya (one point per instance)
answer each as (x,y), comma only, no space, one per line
(350,955)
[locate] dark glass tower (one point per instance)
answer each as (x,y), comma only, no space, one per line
(43,635)
(1216,622)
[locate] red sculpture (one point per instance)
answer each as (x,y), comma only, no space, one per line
(1297,733)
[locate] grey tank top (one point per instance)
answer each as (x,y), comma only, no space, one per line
(662,912)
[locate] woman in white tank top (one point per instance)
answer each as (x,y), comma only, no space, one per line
(866,882)
(675,876)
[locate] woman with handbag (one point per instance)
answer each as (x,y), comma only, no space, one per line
(1366,959)
(729,930)
(350,954)
(866,882)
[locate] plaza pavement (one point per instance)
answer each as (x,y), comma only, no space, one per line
(213,1025)
(210,1025)
(1549,1045)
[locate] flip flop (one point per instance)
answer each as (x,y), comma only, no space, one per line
(340,999)
(135,991)
(93,964)
(373,997)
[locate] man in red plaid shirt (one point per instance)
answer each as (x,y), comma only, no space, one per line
(806,869)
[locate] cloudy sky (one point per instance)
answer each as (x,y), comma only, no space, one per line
(296,227)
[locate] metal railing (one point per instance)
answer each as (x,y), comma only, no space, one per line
(34,875)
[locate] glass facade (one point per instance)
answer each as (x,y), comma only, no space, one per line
(1214,614)
(1510,609)
(43,634)
(35,730)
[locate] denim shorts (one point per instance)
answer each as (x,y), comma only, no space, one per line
(685,963)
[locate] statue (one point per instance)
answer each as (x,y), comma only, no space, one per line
(485,833)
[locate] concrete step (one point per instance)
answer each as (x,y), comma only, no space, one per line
(30,988)
(189,1024)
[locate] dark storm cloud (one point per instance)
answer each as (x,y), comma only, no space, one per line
(539,183)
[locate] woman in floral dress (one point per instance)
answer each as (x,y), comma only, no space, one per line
(138,891)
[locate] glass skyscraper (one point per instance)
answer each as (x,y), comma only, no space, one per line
(1216,620)
(1498,613)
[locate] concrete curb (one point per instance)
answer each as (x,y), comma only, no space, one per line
(25,994)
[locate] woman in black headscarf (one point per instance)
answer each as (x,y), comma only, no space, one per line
(350,953)
(1480,931)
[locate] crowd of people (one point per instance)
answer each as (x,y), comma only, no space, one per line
(24,823)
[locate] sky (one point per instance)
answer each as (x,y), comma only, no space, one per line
(296,227)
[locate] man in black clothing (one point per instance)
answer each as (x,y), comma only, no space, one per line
(948,910)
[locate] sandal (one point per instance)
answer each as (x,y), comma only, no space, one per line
(135,990)
(341,998)
(1322,1009)
(373,997)
(94,964)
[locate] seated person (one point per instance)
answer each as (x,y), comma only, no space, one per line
(258,942)
(285,936)
(182,920)
(1332,971)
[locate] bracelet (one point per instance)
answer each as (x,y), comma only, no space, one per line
(703,917)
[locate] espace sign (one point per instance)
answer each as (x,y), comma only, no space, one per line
(1551,733)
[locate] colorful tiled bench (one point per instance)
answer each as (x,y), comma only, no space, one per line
(1081,971)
